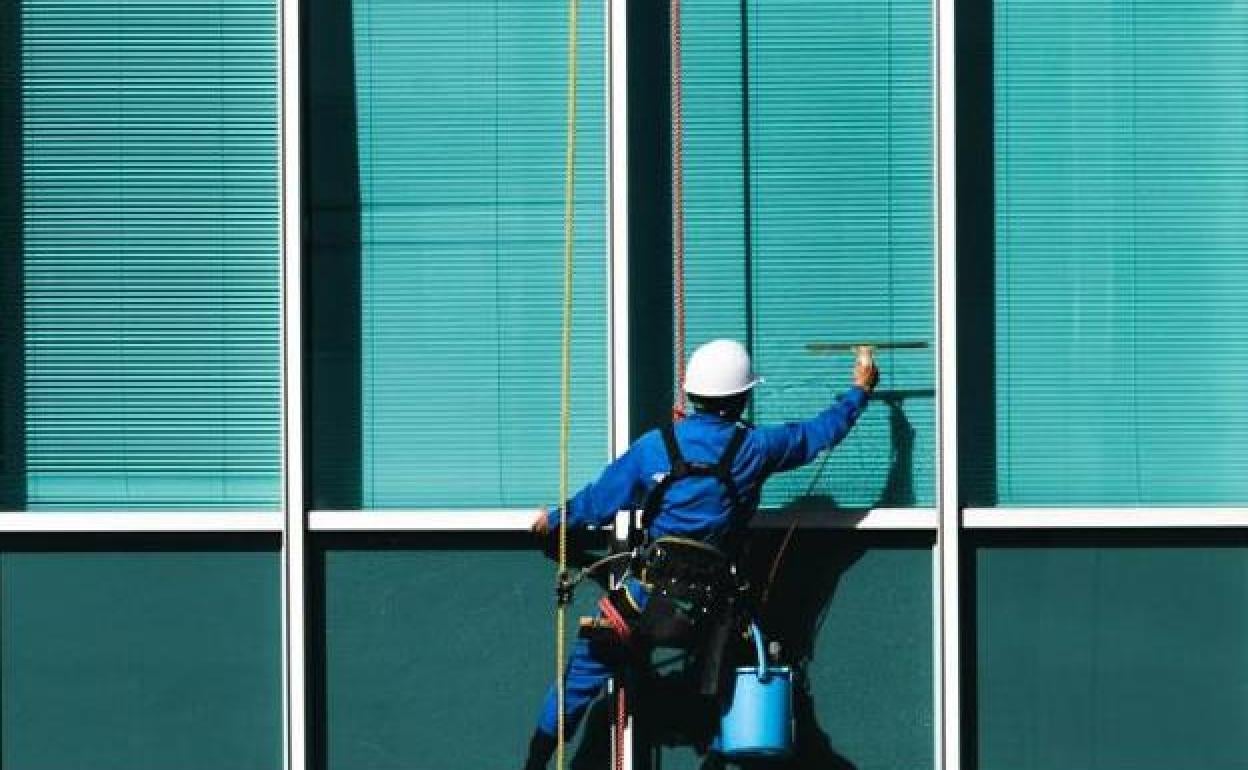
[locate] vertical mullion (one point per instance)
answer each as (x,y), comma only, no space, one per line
(617,233)
(294,690)
(949,713)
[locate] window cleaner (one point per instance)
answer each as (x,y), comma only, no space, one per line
(701,479)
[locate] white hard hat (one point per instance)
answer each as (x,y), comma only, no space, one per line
(720,368)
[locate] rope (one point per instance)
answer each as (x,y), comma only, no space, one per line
(621,721)
(565,380)
(788,535)
(678,214)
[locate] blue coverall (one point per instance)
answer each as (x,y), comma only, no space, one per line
(696,507)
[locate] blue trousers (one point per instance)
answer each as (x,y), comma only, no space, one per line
(587,672)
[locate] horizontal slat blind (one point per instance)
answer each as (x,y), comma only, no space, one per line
(839,213)
(1122,252)
(151,261)
(461,110)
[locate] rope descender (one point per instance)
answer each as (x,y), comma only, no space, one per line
(564,587)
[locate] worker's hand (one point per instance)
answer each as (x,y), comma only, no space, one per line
(866,373)
(541,525)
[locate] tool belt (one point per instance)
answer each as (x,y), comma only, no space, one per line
(692,604)
(697,576)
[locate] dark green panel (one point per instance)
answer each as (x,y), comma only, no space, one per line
(145,659)
(858,610)
(437,652)
(1105,657)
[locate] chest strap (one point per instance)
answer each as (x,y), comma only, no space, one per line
(683,469)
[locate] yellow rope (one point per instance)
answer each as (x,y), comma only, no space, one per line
(565,388)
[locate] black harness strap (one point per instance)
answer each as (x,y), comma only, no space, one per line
(682,469)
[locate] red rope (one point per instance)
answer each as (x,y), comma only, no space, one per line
(678,216)
(621,721)
(618,624)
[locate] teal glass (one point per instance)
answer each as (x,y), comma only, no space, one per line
(1121,140)
(808,201)
(149,259)
(1111,656)
(143,659)
(460,112)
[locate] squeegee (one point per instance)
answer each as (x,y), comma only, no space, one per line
(852,347)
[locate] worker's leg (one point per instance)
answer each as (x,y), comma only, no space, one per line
(587,672)
(593,661)
(588,669)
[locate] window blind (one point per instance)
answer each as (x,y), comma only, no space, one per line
(1121,135)
(461,126)
(814,225)
(151,263)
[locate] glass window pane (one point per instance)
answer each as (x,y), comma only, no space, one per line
(1121,135)
(144,659)
(437,652)
(855,610)
(429,639)
(147,281)
(1098,656)
(448,122)
(808,219)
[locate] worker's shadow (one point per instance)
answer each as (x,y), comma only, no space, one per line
(669,712)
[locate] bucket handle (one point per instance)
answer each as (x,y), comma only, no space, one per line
(763,673)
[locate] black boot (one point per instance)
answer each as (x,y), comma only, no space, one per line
(541,749)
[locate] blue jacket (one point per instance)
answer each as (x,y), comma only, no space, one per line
(698,507)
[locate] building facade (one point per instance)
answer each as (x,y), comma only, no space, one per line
(281,294)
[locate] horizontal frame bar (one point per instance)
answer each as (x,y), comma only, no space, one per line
(500,520)
(513,520)
(518,520)
(1103,518)
(146,521)
(874,519)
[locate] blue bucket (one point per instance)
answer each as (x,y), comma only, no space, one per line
(758,722)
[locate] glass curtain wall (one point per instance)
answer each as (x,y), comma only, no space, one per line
(1121,182)
(142,353)
(139,359)
(1118,310)
(808,197)
(447,120)
(141,342)
(435,208)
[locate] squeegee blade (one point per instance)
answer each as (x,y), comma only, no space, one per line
(847,347)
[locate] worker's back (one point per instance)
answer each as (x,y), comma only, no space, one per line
(701,506)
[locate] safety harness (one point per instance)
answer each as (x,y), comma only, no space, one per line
(683,469)
(693,589)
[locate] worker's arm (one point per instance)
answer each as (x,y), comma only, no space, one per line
(598,502)
(795,444)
